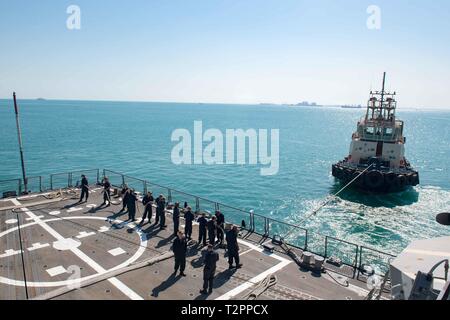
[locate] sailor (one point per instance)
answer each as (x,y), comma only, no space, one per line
(162,213)
(147,201)
(233,247)
(179,249)
(185,205)
(212,229)
(188,219)
(84,188)
(202,223)
(158,209)
(220,225)
(124,193)
(106,191)
(131,205)
(209,270)
(176,218)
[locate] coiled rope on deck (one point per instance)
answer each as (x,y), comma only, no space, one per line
(261,287)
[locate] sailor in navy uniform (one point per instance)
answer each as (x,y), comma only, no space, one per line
(220,225)
(179,249)
(84,188)
(209,270)
(131,204)
(212,229)
(188,219)
(233,247)
(147,201)
(202,226)
(176,218)
(106,191)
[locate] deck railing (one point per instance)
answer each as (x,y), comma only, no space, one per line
(350,254)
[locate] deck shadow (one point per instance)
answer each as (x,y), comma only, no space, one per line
(165,241)
(166,284)
(223,277)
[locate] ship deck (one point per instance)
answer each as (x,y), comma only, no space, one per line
(61,249)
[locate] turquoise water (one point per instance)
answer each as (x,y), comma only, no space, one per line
(134,138)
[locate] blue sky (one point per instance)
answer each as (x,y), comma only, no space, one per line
(248,51)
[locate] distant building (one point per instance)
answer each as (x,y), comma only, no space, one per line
(306,104)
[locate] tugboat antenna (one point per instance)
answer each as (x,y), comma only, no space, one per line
(19,134)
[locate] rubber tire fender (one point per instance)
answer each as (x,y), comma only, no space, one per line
(374,179)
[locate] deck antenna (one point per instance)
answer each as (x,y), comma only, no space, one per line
(382,90)
(19,135)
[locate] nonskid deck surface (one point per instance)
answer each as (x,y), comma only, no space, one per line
(62,241)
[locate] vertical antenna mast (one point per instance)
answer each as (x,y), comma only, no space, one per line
(19,134)
(382,90)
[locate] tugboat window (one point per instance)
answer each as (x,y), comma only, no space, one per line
(370,130)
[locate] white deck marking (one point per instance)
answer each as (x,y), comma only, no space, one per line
(94,265)
(103,229)
(74,210)
(54,213)
(245,252)
(36,246)
(9,253)
(11,221)
(84,234)
(66,244)
(31,219)
(56,271)
(248,284)
(116,252)
(90,206)
(253,281)
(48,284)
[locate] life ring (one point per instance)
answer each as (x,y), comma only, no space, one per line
(374,179)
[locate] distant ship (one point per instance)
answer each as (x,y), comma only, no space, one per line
(377,152)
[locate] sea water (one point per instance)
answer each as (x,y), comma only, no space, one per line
(135,138)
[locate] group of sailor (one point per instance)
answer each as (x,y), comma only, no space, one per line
(213,229)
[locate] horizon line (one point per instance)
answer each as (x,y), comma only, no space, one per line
(319,105)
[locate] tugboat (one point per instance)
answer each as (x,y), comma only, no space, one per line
(377,160)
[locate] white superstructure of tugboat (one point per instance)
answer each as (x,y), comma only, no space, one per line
(378,149)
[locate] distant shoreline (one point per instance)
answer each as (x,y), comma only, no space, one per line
(337,106)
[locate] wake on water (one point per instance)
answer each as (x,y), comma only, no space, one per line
(384,222)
